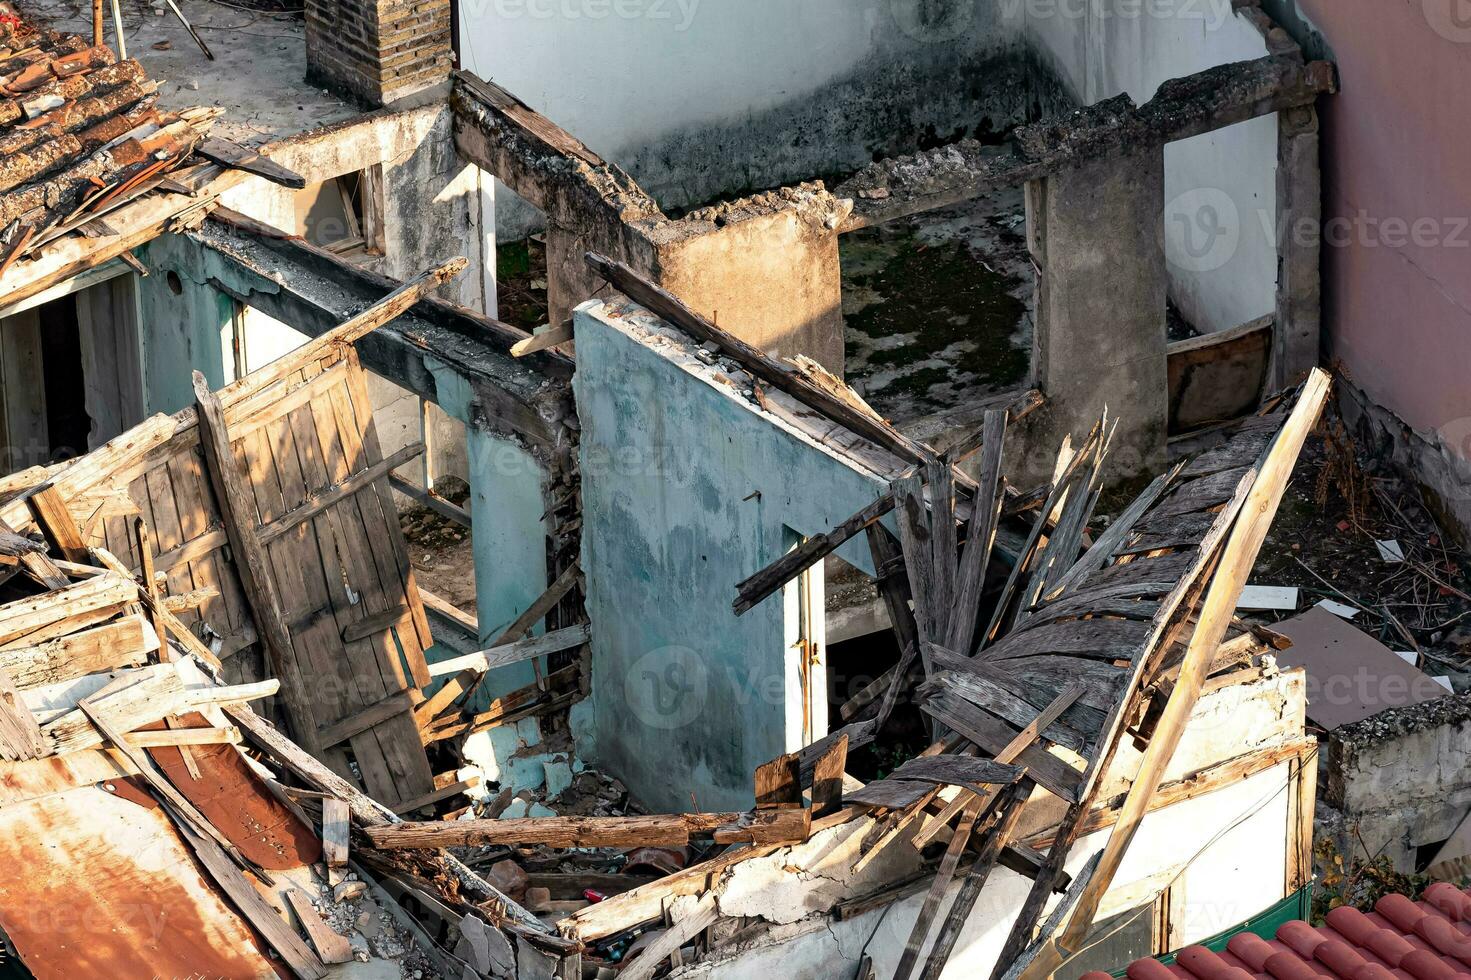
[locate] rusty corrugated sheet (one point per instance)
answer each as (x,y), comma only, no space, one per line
(97,885)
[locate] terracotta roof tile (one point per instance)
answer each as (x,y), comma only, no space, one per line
(1400,939)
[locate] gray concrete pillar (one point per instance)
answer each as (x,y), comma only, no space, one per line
(1298,336)
(1096,234)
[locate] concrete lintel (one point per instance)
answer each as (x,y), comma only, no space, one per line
(1183,107)
(312,291)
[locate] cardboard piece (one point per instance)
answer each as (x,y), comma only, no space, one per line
(1350,675)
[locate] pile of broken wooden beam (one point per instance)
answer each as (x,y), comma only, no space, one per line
(1034,660)
(104,690)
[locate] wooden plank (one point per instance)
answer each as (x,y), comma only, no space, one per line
(181,737)
(779,782)
(1217,610)
(449,692)
(992,735)
(655,830)
(231,154)
(243,895)
(336,832)
(349,331)
(149,583)
(944,874)
(376,623)
(55,521)
(428,498)
(331,946)
(20,736)
(375,714)
(251,563)
(1022,741)
(320,503)
(914,536)
(827,779)
(770,579)
(442,793)
(365,811)
(956,770)
(980,537)
(1009,809)
(654,955)
(107,647)
(513,653)
(538,610)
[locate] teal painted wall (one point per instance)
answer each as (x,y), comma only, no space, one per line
(506,507)
(687,489)
(181,331)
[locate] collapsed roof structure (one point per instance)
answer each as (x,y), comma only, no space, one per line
(657,482)
(1084,649)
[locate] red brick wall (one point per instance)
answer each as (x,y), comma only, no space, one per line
(378,50)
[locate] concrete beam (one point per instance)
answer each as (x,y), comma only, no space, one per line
(1181,108)
(446,354)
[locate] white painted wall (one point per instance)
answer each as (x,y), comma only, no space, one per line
(696,97)
(1220,188)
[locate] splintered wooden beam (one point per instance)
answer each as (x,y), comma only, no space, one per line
(55,521)
(770,826)
(768,580)
(237,511)
(228,154)
(355,328)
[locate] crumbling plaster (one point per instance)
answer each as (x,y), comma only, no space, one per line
(1397,780)
(1226,849)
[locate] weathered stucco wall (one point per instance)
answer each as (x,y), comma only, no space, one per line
(1398,780)
(714,97)
(1220,188)
(687,489)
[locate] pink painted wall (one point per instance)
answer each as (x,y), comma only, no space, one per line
(1397,204)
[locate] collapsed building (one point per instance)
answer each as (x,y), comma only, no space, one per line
(273,353)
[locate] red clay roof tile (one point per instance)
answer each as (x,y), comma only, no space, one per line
(1400,939)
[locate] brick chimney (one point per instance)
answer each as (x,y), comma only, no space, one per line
(378,51)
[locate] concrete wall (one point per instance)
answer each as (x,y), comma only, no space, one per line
(1398,781)
(435,208)
(1220,188)
(711,97)
(687,489)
